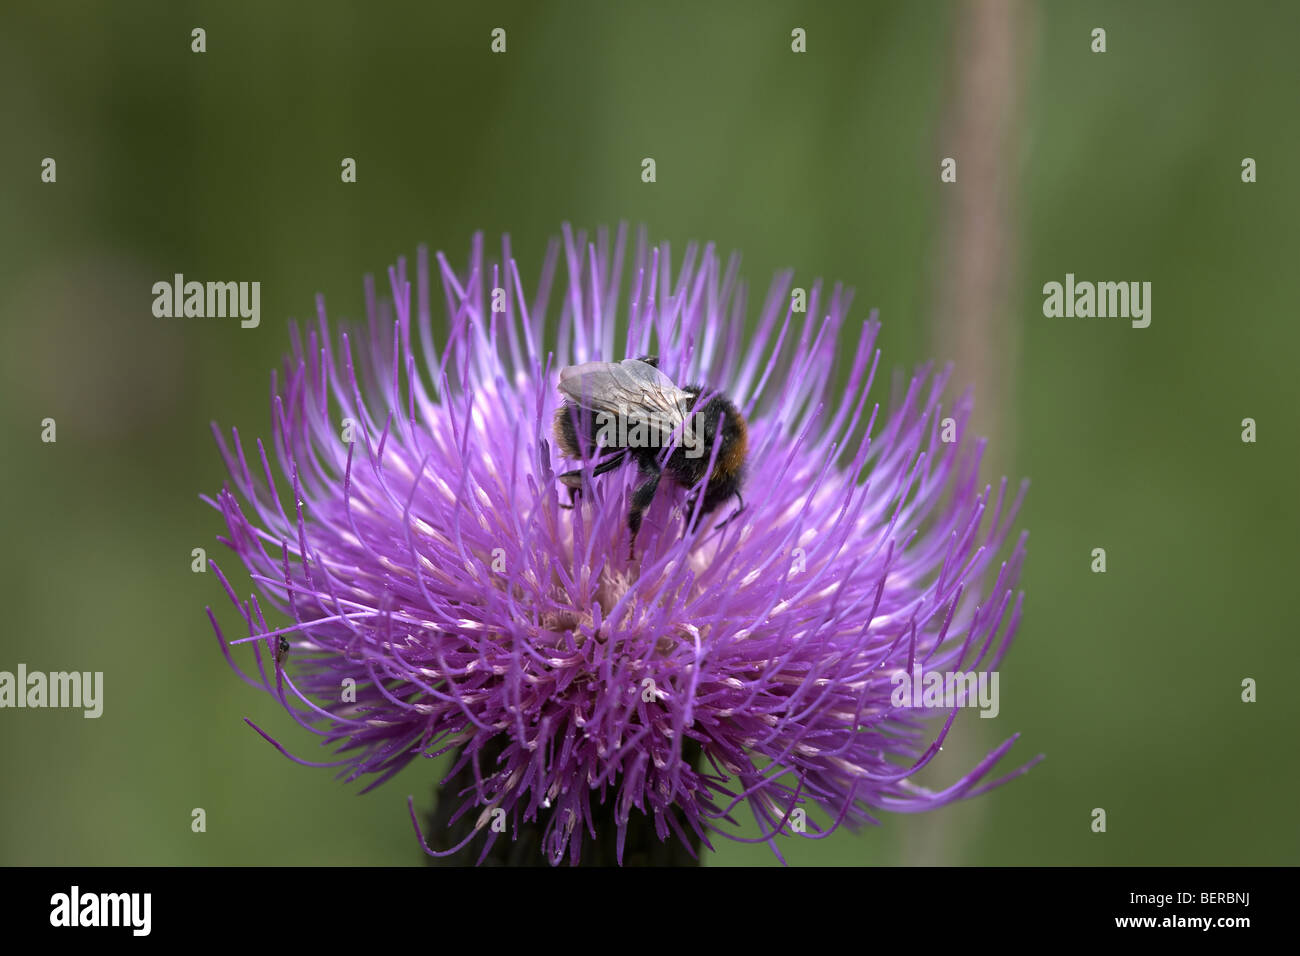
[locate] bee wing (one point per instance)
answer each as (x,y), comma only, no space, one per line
(631,388)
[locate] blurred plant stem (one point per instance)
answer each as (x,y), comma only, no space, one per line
(978,238)
(973,323)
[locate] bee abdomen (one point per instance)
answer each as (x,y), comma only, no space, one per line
(566,436)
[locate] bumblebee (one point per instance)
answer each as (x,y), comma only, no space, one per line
(630,411)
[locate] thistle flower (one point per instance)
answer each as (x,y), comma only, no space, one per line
(408,520)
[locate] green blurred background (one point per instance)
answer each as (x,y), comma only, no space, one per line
(225,165)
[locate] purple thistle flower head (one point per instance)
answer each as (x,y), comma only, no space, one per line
(408,519)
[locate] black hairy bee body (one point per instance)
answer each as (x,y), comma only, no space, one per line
(629,412)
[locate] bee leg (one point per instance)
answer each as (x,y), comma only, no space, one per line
(734,515)
(642,495)
(573,479)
